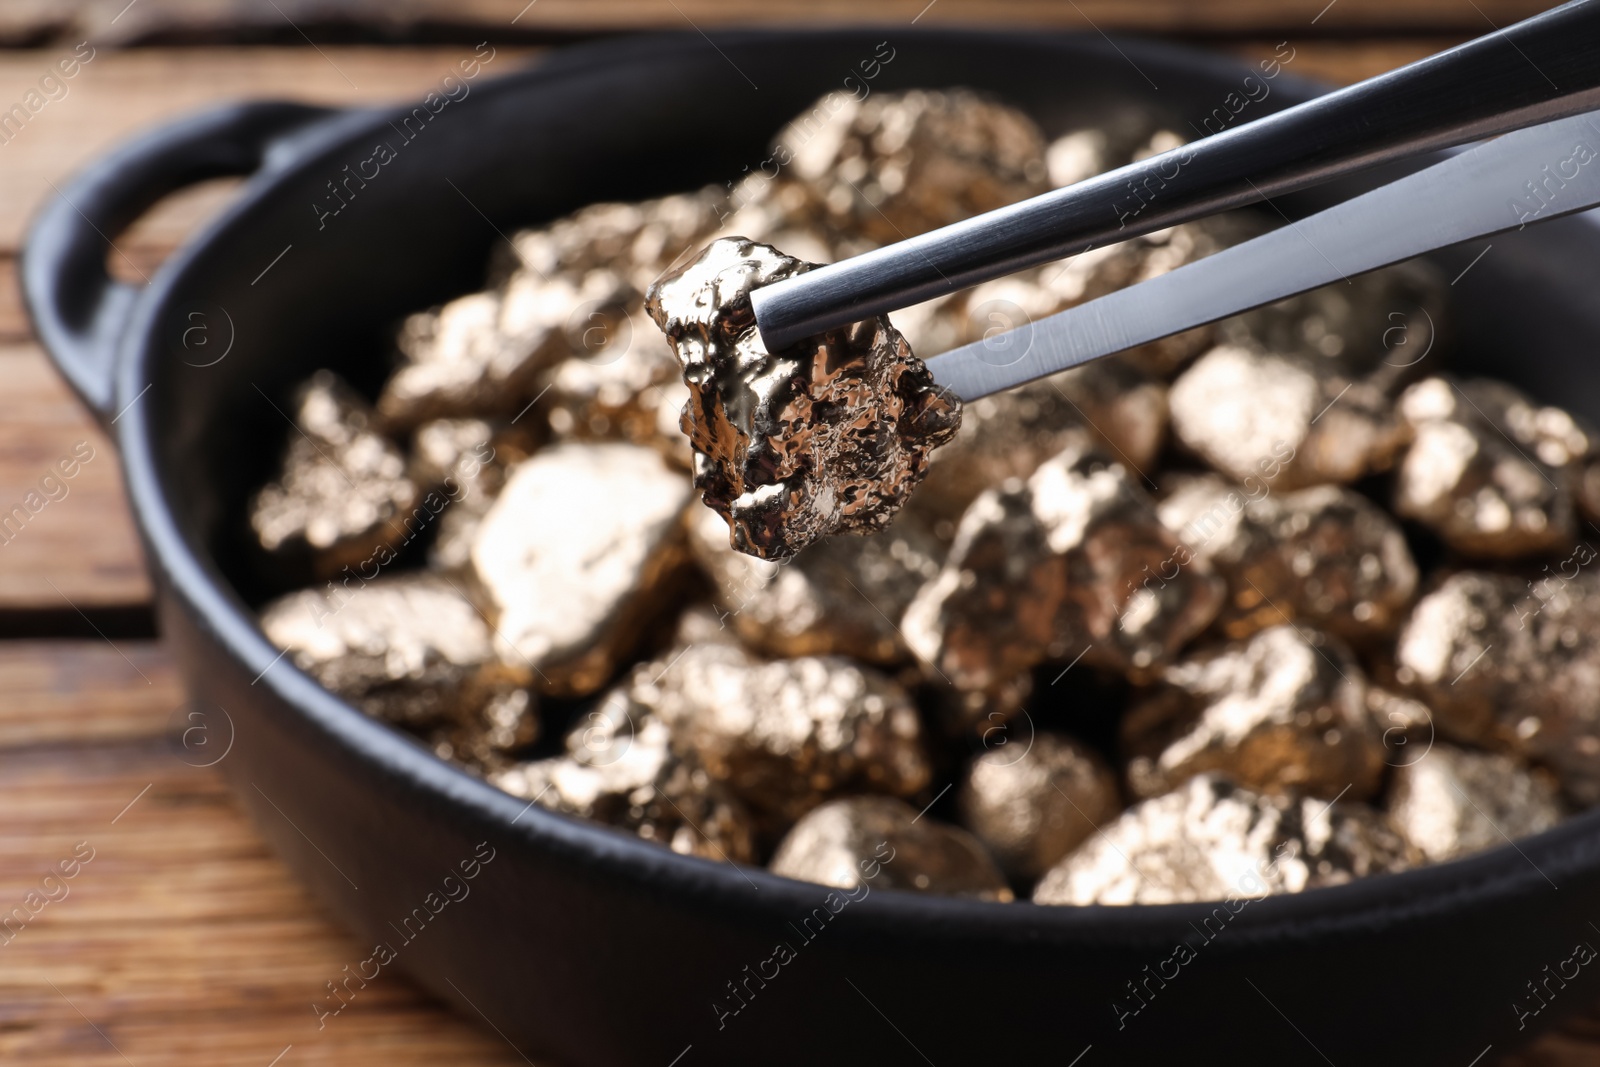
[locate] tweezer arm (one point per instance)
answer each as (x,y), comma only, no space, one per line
(1543,68)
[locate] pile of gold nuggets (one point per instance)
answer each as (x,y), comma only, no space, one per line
(1253,609)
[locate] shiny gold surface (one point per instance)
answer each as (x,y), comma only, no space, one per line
(1207,561)
(1325,556)
(637,241)
(482,353)
(1456,801)
(881,842)
(1063,564)
(1379,327)
(1511,663)
(1490,472)
(458,456)
(412,650)
(830,436)
(1010,434)
(1289,421)
(991,614)
(624,384)
(342,492)
(620,769)
(1035,800)
(577,554)
(898,164)
(785,735)
(840,596)
(1214,841)
(1282,712)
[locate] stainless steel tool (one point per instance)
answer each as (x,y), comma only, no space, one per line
(1525,177)
(1543,68)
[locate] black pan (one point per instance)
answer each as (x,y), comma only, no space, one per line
(587,946)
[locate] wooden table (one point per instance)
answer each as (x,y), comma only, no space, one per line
(183,940)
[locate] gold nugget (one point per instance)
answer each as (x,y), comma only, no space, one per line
(620,769)
(1212,840)
(464,460)
(1285,711)
(826,437)
(578,553)
(412,650)
(816,683)
(1489,472)
(842,596)
(1327,555)
(1010,434)
(881,842)
(481,354)
(1035,799)
(1454,802)
(623,385)
(1286,420)
(898,164)
(1379,327)
(343,494)
(1511,663)
(637,241)
(1074,562)
(787,734)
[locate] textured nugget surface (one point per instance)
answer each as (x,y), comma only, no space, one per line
(827,436)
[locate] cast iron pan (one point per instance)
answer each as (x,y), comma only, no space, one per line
(587,946)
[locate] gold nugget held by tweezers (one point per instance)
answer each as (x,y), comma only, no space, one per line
(827,436)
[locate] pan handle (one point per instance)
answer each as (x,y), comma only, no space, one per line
(78,310)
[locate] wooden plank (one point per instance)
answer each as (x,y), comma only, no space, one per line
(81,551)
(1343,62)
(119,93)
(13,319)
(183,940)
(153,237)
(65,543)
(164,227)
(217,20)
(73,692)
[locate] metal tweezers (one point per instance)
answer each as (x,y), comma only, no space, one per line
(1537,83)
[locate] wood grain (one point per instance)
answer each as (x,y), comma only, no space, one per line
(79,551)
(78,692)
(183,941)
(1344,62)
(119,93)
(118,21)
(13,319)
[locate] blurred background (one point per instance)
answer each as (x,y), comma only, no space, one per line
(181,940)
